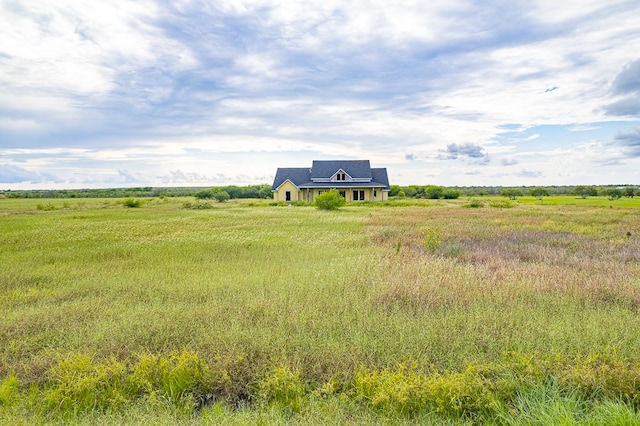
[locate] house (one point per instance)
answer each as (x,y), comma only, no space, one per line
(355,179)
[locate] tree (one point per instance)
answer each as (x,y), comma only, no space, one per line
(585,191)
(511,193)
(205,194)
(221,196)
(539,193)
(613,193)
(433,192)
(629,191)
(450,194)
(330,200)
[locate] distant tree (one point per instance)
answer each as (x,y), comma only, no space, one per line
(539,193)
(330,200)
(511,193)
(613,193)
(205,194)
(394,190)
(450,194)
(433,192)
(629,191)
(221,196)
(585,191)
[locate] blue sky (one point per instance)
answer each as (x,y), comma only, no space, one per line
(203,93)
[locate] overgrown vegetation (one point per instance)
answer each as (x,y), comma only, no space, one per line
(330,200)
(406,312)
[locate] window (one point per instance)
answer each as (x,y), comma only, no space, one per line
(343,194)
(361,195)
(375,193)
(341,176)
(287,196)
(355,195)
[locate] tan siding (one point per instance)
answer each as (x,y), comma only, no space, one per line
(281,193)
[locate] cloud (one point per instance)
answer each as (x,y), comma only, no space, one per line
(14,174)
(528,174)
(470,150)
(410,157)
(627,84)
(625,107)
(628,81)
(508,161)
(629,140)
(130,177)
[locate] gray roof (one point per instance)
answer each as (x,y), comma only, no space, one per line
(297,176)
(357,169)
(380,175)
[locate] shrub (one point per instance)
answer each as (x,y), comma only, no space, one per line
(450,194)
(198,205)
(131,202)
(474,204)
(221,196)
(330,200)
(205,194)
(46,207)
(501,204)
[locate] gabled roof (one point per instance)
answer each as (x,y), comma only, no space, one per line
(297,176)
(318,176)
(357,169)
(380,176)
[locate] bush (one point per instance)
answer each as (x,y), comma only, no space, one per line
(450,194)
(46,207)
(474,204)
(198,205)
(205,194)
(131,202)
(330,200)
(221,196)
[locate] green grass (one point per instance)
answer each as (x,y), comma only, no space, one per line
(246,312)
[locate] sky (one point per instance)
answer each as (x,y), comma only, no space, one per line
(100,94)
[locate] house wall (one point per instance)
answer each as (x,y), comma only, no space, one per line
(380,195)
(296,195)
(281,193)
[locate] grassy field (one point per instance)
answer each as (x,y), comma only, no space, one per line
(411,312)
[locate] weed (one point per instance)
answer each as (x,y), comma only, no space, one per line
(282,388)
(46,207)
(431,240)
(9,387)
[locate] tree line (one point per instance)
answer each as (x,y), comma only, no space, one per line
(234,191)
(583,191)
(264,191)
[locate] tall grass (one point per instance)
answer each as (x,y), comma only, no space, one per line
(293,314)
